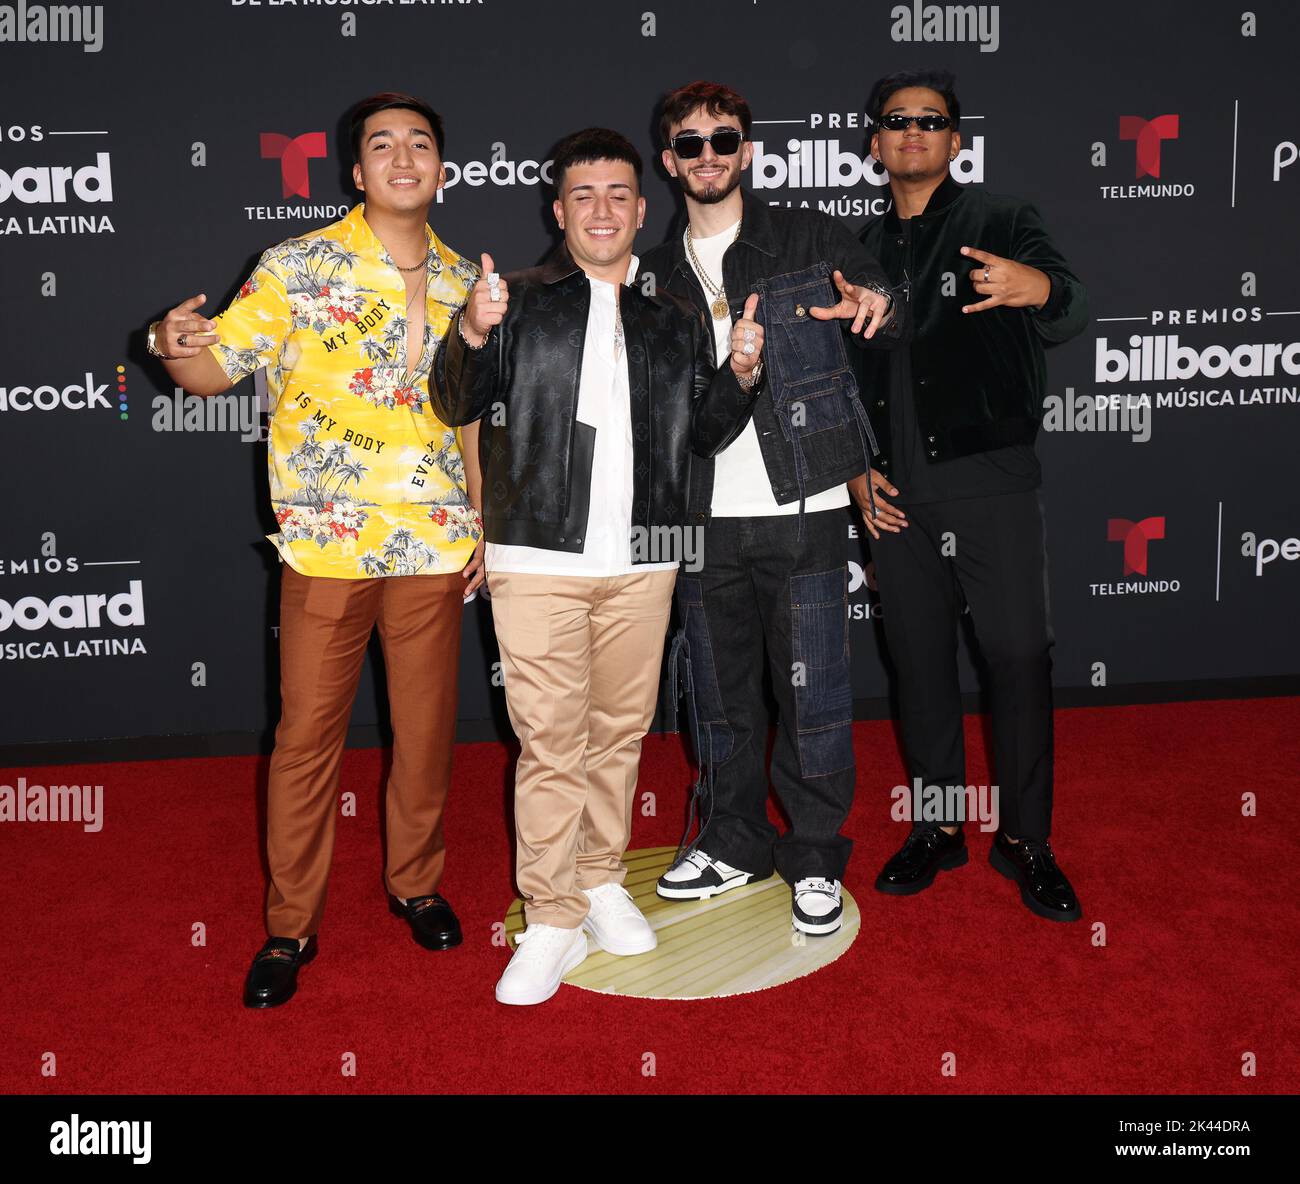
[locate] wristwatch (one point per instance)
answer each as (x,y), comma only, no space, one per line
(153,341)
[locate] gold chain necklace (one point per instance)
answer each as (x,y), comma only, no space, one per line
(416,266)
(718,307)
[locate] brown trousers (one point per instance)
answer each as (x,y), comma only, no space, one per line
(325,626)
(581,658)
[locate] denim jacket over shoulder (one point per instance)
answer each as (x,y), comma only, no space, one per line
(810,422)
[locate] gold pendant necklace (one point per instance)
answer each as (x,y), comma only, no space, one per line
(719,307)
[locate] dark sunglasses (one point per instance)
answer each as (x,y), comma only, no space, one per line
(927,123)
(689,145)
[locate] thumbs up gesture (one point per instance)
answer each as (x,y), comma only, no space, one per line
(746,340)
(488,301)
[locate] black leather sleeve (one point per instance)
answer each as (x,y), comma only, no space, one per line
(462,381)
(721,408)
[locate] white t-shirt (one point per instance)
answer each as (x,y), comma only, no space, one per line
(741,488)
(604,403)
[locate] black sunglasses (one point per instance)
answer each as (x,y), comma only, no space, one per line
(927,123)
(689,145)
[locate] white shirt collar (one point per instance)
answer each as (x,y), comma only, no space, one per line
(633,264)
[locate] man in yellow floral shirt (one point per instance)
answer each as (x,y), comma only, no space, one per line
(366,483)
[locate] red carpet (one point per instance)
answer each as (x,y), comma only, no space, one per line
(1199,905)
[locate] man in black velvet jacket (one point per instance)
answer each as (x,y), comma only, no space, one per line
(956,415)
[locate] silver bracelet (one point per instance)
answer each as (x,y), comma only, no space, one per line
(880,290)
(460,328)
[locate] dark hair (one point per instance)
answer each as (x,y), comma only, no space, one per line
(590,145)
(387,101)
(715,98)
(944,82)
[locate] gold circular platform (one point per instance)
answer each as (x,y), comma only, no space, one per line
(735,943)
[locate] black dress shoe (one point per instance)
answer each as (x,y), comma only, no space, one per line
(273,977)
(925,852)
(1043,886)
(432,922)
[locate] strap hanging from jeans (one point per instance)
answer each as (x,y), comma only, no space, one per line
(683,683)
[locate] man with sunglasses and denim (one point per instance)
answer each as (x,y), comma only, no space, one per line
(956,412)
(769,489)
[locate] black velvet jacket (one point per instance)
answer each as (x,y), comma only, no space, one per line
(523,384)
(979,378)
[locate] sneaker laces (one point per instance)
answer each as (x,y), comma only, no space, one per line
(619,902)
(539,939)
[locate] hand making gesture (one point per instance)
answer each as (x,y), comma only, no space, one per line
(1006,282)
(857,303)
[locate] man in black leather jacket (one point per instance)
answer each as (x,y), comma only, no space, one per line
(770,492)
(956,412)
(586,387)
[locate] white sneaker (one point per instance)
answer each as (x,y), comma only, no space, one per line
(543,956)
(817,905)
(700,876)
(615,923)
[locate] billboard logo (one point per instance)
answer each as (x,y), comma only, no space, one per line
(48,185)
(293,155)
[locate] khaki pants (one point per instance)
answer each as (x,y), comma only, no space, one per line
(325,626)
(581,657)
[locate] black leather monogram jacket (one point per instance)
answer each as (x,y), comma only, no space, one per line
(523,385)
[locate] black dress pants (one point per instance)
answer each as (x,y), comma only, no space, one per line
(989,552)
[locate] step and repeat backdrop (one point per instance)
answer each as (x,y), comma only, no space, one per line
(151,150)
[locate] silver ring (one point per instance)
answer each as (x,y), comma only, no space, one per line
(494,294)
(749,349)
(181,339)
(986,275)
(493,279)
(749,334)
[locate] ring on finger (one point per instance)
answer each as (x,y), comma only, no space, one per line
(180,340)
(748,348)
(986,275)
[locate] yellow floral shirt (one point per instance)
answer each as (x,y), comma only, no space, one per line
(365,479)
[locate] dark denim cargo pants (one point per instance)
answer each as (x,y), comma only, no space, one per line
(771,599)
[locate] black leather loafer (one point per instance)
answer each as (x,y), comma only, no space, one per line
(433,924)
(273,977)
(1043,886)
(925,852)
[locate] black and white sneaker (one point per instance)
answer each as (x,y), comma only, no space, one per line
(817,905)
(700,876)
